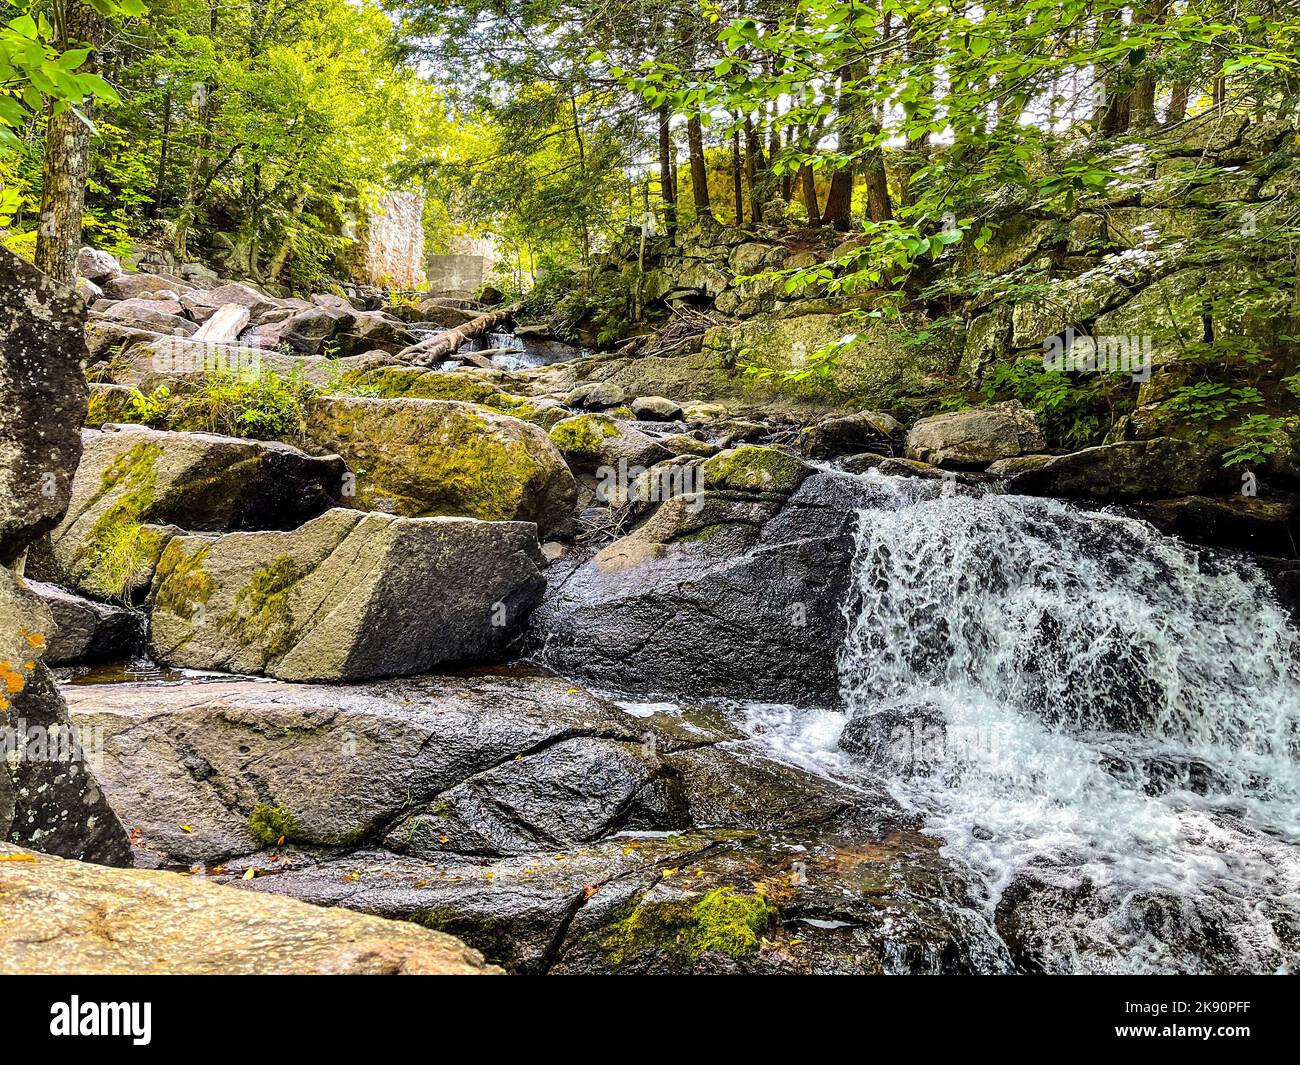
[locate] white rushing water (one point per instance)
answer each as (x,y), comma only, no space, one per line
(1070,697)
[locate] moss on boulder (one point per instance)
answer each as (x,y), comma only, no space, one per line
(755,469)
(424,457)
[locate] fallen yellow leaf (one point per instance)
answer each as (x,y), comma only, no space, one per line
(250,873)
(186,828)
(17,857)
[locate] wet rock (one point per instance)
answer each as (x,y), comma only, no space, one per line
(908,737)
(87,631)
(341,765)
(49,797)
(1055,923)
(44,401)
(731,592)
(1128,471)
(422,457)
(572,792)
(347,596)
(167,923)
(133,481)
(1242,523)
(850,434)
(532,818)
(975,437)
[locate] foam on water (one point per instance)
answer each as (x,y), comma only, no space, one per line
(1111,711)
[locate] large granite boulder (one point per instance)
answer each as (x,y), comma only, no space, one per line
(733,590)
(172,924)
(43,396)
(1131,470)
(133,482)
(423,457)
(975,437)
(346,596)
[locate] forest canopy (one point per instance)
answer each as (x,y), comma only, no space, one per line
(259,130)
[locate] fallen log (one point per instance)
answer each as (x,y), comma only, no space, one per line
(445,344)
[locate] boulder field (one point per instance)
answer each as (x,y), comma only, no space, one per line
(475,651)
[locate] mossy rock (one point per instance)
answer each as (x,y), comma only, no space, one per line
(346,596)
(135,485)
(272,826)
(755,469)
(583,436)
(593,441)
(423,457)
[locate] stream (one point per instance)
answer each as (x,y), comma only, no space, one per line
(1102,724)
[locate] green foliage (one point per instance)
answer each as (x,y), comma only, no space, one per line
(1073,410)
(263,407)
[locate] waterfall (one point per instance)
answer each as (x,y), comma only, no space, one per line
(1101,723)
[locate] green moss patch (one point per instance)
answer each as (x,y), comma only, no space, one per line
(270,824)
(261,614)
(723,921)
(183,584)
(118,550)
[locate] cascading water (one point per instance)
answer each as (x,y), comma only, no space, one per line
(1102,724)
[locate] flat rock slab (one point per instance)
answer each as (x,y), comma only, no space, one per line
(72,917)
(549,828)
(347,596)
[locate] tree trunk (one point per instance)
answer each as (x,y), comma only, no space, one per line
(444,345)
(667,172)
(1142,103)
(164,149)
(67,155)
(737,177)
(808,188)
(1177,109)
(699,172)
(879,207)
(787,178)
(755,166)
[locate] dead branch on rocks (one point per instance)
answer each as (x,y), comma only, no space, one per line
(445,344)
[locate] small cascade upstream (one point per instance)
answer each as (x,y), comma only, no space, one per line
(1101,723)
